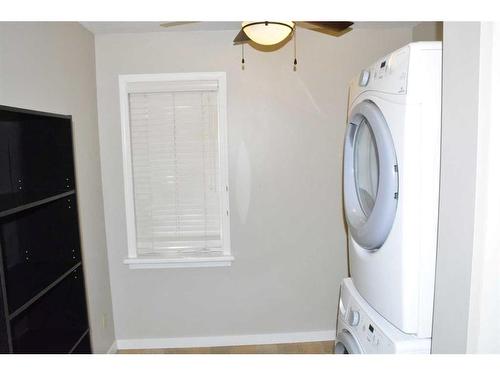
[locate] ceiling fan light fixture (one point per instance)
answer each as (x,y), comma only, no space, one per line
(268,33)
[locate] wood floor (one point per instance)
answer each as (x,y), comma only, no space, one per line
(321,347)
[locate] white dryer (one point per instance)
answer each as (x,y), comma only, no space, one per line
(391,183)
(361,330)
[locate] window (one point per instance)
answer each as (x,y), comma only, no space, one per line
(175,168)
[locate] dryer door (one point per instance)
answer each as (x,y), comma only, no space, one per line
(370,176)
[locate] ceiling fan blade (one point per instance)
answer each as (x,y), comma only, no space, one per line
(241,38)
(330,25)
(335,28)
(176,23)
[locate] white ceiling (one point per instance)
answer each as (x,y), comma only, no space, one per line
(146,27)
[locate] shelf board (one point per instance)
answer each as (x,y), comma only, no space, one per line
(13,203)
(43,292)
(45,341)
(28,279)
(79,340)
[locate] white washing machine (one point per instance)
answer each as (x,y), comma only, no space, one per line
(391,184)
(361,330)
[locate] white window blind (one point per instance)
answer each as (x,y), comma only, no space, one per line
(176,168)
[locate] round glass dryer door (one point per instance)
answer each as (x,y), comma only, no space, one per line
(370,176)
(366,168)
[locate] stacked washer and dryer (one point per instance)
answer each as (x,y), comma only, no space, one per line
(391,192)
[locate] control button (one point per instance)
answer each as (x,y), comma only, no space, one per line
(353,318)
(364,77)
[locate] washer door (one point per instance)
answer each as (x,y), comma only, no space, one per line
(346,344)
(370,176)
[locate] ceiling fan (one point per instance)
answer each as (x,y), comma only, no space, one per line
(270,33)
(267,32)
(274,32)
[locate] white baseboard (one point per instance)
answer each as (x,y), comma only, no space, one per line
(211,341)
(113,348)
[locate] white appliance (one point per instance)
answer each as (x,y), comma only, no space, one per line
(361,330)
(391,184)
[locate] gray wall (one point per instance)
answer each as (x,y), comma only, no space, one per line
(286,133)
(50,67)
(484,325)
(458,186)
(428,31)
(467,289)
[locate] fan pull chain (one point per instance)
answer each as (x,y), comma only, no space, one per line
(243,56)
(295,49)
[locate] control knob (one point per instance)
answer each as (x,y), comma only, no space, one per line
(353,318)
(364,77)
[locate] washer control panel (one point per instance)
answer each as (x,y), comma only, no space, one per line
(353,318)
(367,333)
(370,331)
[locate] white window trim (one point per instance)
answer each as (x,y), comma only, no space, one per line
(135,261)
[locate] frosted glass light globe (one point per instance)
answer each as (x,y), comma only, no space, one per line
(267,33)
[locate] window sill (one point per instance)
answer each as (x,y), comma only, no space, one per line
(192,262)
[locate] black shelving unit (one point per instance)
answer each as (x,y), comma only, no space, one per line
(42,292)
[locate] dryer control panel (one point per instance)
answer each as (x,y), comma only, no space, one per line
(388,74)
